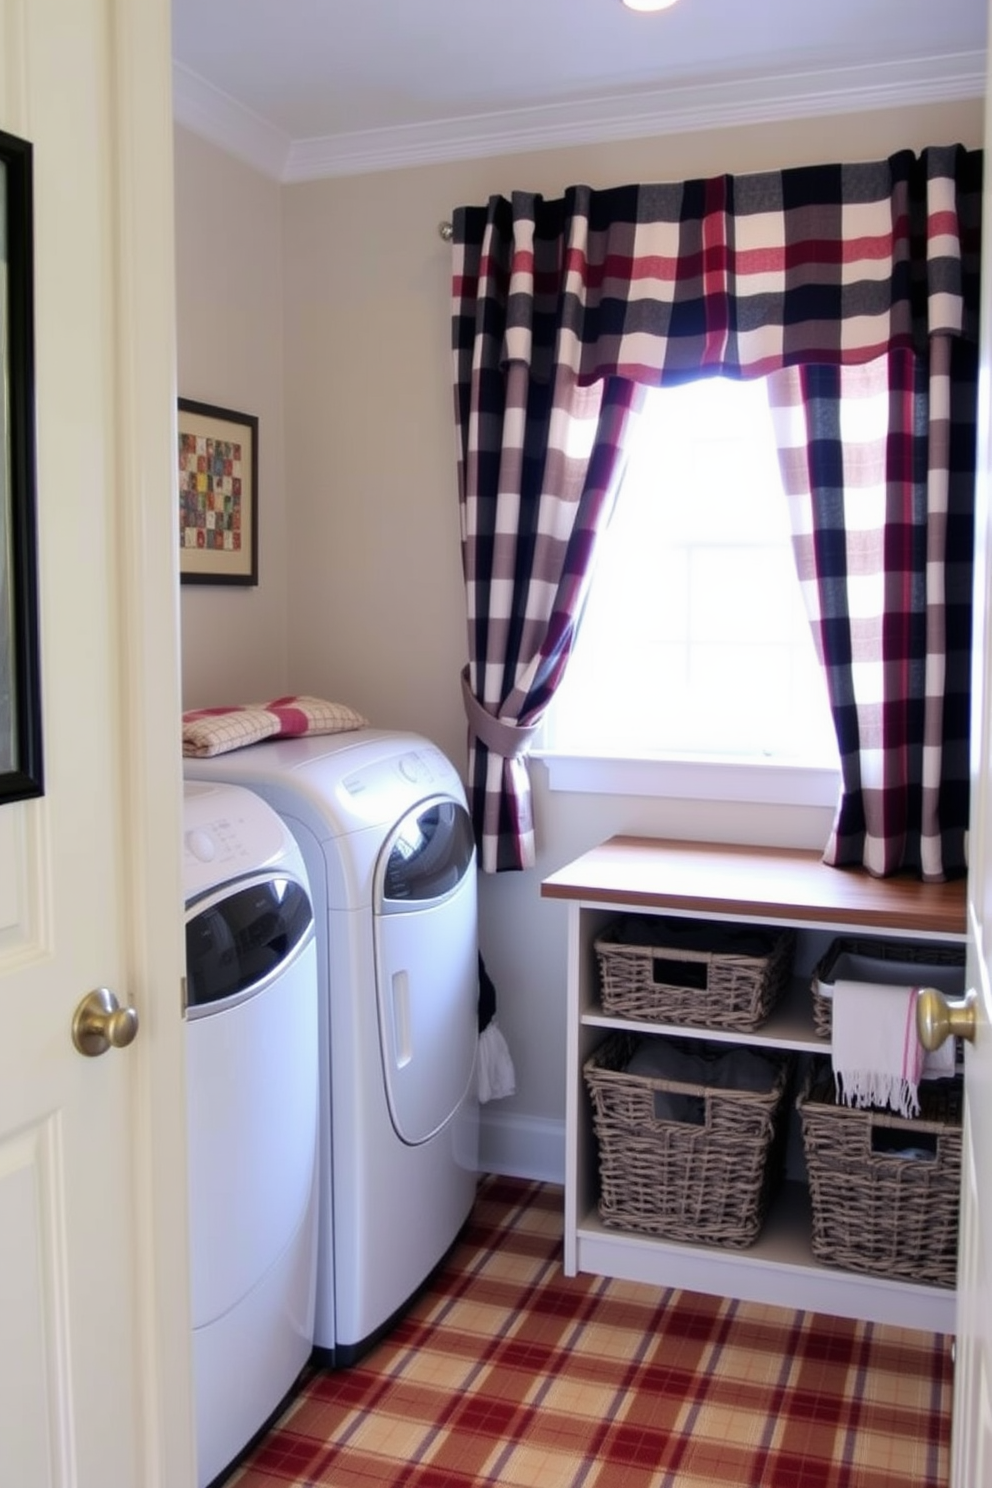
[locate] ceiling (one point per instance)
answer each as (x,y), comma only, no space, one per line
(308,88)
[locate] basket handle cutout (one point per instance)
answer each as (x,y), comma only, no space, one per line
(686,1110)
(913,1146)
(691,974)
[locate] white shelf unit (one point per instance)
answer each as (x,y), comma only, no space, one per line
(733,884)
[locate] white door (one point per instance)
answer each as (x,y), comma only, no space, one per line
(971,1445)
(94,1354)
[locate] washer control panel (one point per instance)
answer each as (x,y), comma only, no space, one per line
(426,767)
(227,831)
(202,843)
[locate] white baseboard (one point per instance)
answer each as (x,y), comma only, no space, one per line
(521,1146)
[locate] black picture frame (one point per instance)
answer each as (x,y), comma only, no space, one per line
(21,759)
(218,494)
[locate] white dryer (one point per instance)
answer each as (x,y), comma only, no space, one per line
(252,1115)
(381,820)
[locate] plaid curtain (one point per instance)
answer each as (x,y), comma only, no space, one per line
(878,466)
(641,285)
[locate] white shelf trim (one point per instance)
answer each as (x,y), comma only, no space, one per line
(775,1270)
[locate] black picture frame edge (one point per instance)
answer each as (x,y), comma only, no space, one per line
(250,420)
(26,780)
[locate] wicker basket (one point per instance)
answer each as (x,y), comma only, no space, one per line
(885,961)
(662,969)
(705,1181)
(885,1189)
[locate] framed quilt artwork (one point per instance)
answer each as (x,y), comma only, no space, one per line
(218,495)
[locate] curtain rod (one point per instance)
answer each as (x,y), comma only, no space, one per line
(444,231)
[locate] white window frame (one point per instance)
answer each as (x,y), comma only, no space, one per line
(756,783)
(749,779)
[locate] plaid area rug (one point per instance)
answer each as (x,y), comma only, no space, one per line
(506,1372)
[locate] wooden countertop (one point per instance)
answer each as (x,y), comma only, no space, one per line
(760,882)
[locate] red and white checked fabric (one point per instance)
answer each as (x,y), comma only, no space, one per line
(208,731)
(611,290)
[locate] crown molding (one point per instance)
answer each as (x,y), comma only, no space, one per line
(759,100)
(215,116)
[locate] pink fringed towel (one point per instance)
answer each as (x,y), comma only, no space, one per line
(877,1055)
(208,731)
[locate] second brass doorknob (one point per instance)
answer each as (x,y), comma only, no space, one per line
(939,1017)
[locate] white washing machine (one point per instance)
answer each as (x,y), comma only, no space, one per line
(381,820)
(252,1104)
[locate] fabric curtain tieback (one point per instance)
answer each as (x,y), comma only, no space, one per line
(505,739)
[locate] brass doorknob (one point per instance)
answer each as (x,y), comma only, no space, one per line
(100,1023)
(939,1017)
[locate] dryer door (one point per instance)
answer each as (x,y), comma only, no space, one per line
(427,966)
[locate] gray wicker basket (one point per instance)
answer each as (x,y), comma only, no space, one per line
(706,1183)
(883,961)
(663,969)
(885,1189)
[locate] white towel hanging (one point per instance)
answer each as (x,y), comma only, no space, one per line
(496,1077)
(877,1055)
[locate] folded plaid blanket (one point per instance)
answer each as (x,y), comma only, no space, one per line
(208,731)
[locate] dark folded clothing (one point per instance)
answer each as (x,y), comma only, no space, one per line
(671,933)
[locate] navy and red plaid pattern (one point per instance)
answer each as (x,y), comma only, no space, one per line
(603,291)
(507,1372)
(878,466)
(530,524)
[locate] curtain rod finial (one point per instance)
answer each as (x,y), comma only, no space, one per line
(444,231)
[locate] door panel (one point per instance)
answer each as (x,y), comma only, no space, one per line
(32,1304)
(971,1444)
(972,1437)
(94,1368)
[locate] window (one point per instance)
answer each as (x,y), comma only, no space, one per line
(695,642)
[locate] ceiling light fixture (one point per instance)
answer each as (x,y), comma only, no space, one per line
(646,5)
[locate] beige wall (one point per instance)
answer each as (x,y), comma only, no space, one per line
(373,578)
(230,350)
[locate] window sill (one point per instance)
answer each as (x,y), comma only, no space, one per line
(758,782)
